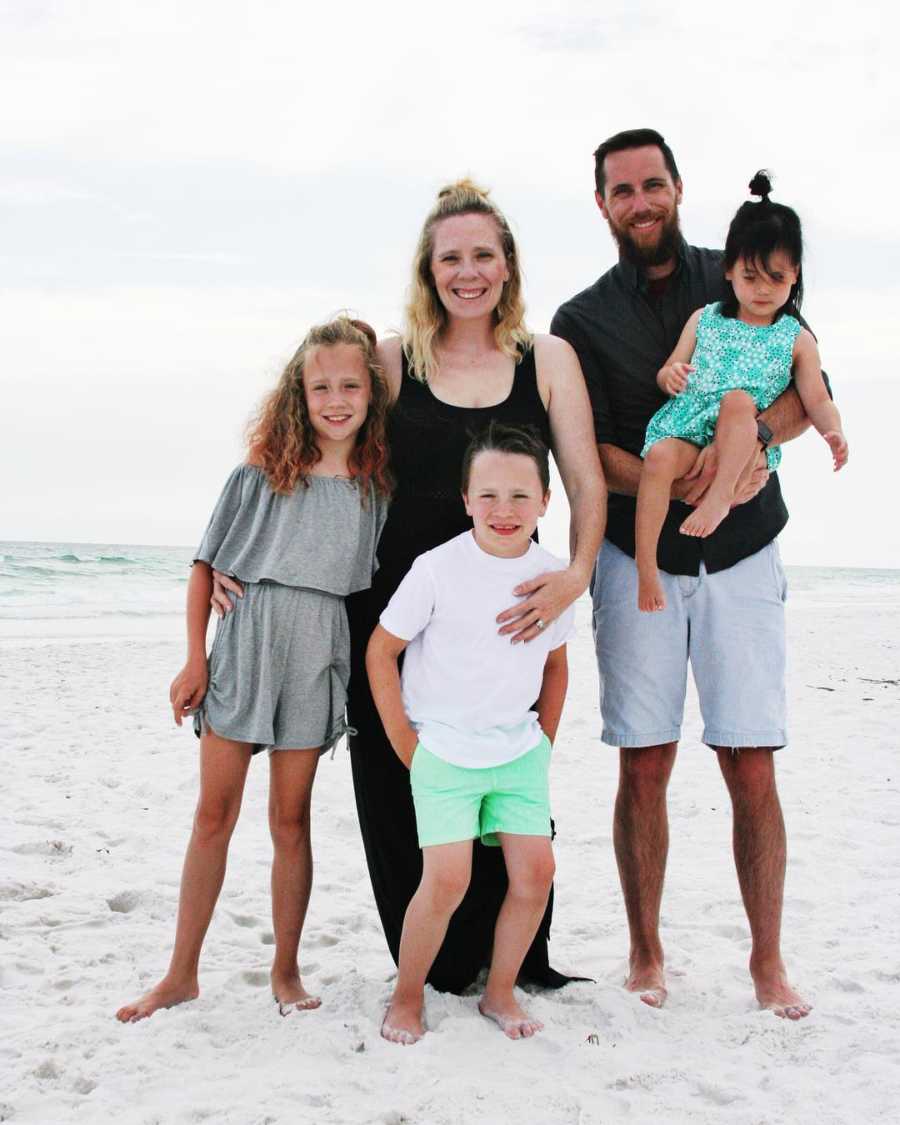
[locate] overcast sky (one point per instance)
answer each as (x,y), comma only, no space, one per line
(188,185)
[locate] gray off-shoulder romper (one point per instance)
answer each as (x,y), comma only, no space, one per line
(280,662)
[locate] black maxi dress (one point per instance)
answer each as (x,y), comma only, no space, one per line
(428,439)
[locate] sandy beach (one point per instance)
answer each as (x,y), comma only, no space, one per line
(98,797)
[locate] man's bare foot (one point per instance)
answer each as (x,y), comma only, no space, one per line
(651,598)
(403,1023)
(513,1020)
(165,995)
(649,982)
(289,993)
(776,995)
(706,517)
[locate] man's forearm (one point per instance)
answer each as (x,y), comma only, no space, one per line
(622,470)
(786,417)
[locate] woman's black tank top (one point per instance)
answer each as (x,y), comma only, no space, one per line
(428,439)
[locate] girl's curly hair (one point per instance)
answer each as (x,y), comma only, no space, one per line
(280,438)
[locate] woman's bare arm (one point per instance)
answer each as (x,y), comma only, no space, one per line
(575,450)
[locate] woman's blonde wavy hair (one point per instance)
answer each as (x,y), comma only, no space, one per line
(426,316)
(280,438)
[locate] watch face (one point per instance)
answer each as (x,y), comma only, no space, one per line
(763,432)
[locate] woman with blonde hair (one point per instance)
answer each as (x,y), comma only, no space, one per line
(465,359)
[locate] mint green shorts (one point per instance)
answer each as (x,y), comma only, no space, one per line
(455,803)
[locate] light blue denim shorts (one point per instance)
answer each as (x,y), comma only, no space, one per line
(729,625)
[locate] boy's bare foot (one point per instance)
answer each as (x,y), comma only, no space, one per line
(649,981)
(513,1020)
(706,517)
(165,995)
(289,993)
(403,1023)
(775,993)
(651,598)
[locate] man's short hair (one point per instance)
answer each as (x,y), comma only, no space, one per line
(631,138)
(498,438)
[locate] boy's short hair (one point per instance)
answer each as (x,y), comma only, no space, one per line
(498,438)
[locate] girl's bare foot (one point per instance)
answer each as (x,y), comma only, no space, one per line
(403,1023)
(513,1020)
(706,517)
(289,994)
(165,995)
(651,598)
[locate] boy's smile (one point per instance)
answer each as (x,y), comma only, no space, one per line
(505,499)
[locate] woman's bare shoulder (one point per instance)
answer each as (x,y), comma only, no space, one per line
(554,354)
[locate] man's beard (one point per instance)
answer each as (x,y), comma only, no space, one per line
(665,250)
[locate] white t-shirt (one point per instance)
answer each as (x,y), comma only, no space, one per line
(468,691)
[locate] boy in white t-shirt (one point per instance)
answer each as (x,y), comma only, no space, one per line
(462,720)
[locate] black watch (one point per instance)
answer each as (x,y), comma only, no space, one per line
(763,433)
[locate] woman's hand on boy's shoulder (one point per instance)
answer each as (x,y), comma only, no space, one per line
(188,688)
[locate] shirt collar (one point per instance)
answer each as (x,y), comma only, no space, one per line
(636,278)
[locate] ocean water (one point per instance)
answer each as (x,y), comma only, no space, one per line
(90,587)
(95,587)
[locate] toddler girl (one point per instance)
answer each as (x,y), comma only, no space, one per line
(734,358)
(297,524)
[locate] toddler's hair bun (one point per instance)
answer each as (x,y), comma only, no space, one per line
(761,185)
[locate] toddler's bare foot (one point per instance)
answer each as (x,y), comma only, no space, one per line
(651,598)
(289,993)
(165,995)
(775,993)
(706,517)
(513,1020)
(649,981)
(403,1022)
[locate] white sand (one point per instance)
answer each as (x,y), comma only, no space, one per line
(98,793)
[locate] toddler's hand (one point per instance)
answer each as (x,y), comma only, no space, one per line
(188,689)
(840,451)
(673,378)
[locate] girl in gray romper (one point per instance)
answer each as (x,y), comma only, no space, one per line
(297,525)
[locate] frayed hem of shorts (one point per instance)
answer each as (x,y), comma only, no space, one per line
(637,741)
(745,740)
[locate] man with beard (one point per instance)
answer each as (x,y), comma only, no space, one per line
(724,593)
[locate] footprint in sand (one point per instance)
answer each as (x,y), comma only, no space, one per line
(248,921)
(52,848)
(733,933)
(256,978)
(322,939)
(124,902)
(23,892)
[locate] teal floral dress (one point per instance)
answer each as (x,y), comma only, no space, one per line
(729,356)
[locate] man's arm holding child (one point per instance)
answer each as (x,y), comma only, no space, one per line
(382,656)
(189,686)
(553,691)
